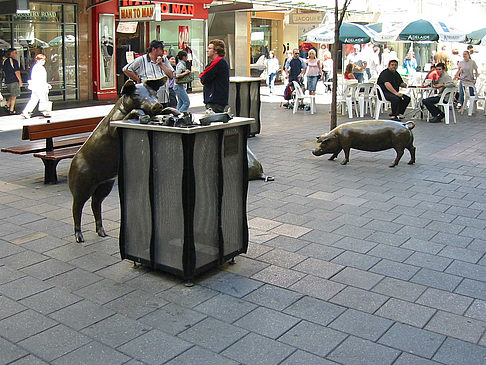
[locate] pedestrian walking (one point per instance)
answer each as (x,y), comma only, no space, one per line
(13,80)
(40,89)
(182,72)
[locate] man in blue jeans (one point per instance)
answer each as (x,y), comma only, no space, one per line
(440,84)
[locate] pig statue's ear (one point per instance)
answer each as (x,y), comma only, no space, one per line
(128,88)
(322,138)
(155,84)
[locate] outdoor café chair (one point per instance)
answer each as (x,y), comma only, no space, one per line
(446,101)
(379,100)
(346,97)
(299,95)
(363,94)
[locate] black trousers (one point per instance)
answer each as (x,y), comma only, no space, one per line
(430,105)
(398,104)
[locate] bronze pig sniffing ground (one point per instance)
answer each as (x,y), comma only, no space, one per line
(368,135)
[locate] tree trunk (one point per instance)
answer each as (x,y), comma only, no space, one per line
(338,20)
(335,53)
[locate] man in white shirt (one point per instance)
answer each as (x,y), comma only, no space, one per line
(152,65)
(359,63)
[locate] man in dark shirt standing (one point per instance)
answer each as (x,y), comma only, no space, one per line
(215,77)
(390,82)
(13,80)
(295,67)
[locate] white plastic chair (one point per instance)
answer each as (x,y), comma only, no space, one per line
(470,101)
(379,99)
(299,95)
(363,94)
(446,101)
(346,97)
(481,92)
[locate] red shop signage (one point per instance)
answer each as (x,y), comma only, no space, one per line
(166,8)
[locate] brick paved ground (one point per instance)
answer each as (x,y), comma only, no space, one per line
(356,264)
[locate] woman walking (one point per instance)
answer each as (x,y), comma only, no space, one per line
(271,66)
(314,71)
(40,89)
(180,89)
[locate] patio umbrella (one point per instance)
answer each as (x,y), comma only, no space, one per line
(423,30)
(349,33)
(476,36)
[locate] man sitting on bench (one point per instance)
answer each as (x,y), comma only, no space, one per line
(390,82)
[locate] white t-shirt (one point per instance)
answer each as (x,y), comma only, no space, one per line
(272,65)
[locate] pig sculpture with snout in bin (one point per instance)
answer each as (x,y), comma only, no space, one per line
(368,135)
(95,166)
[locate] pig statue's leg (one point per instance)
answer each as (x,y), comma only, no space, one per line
(335,154)
(346,155)
(134,114)
(99,195)
(399,151)
(78,203)
(411,149)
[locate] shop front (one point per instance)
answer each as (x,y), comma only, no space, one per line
(181,25)
(51,29)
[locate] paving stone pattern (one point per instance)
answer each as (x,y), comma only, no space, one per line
(356,264)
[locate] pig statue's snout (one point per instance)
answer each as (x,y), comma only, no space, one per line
(156,109)
(318,151)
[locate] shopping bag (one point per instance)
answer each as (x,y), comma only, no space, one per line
(45,106)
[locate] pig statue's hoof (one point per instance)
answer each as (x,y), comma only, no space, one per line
(101,232)
(79,236)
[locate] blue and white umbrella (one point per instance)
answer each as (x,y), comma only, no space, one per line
(349,33)
(422,31)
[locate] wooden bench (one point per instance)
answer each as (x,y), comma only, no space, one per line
(53,149)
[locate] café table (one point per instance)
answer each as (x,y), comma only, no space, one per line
(417,94)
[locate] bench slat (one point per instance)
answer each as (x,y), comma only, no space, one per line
(58,154)
(58,129)
(41,145)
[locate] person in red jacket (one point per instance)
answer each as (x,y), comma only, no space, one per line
(215,77)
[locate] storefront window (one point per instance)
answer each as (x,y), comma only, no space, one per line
(261,38)
(107,63)
(44,31)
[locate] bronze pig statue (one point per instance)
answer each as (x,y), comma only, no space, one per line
(368,135)
(255,168)
(95,166)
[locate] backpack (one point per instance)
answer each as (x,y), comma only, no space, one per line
(288,92)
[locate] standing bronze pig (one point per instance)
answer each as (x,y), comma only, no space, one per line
(95,166)
(368,135)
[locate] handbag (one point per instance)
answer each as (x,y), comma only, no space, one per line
(185,79)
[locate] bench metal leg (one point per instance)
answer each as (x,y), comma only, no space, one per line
(50,174)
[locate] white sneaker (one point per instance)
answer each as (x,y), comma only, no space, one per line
(26,115)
